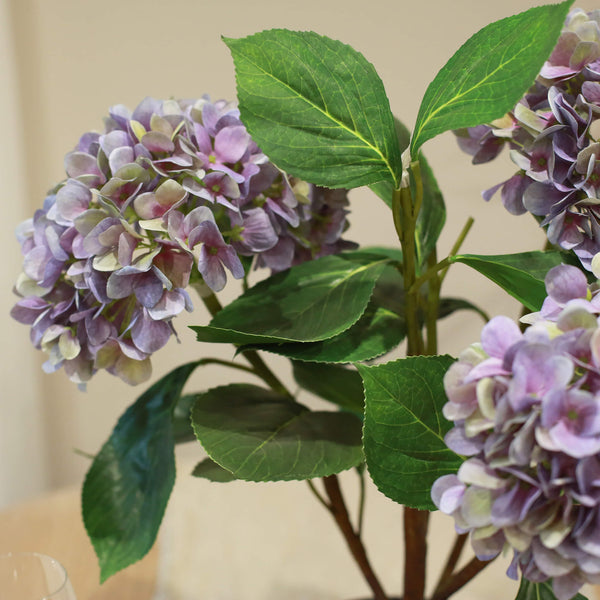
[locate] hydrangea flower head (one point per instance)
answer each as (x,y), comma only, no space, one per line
(526,413)
(171,193)
(552,134)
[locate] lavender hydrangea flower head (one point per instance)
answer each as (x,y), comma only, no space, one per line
(169,194)
(526,413)
(552,135)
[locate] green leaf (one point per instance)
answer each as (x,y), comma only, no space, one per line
(313,301)
(451,305)
(182,427)
(259,435)
(209,469)
(432,215)
(404,428)
(333,383)
(378,331)
(488,75)
(381,328)
(129,483)
(539,591)
(521,275)
(316,107)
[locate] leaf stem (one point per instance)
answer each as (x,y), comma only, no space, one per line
(260,367)
(340,513)
(361,503)
(459,242)
(317,495)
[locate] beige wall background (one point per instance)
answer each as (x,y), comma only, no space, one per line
(64,62)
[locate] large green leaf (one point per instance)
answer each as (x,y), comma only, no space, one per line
(129,483)
(489,73)
(432,215)
(539,591)
(381,328)
(259,435)
(316,107)
(311,302)
(521,275)
(333,383)
(404,428)
(378,331)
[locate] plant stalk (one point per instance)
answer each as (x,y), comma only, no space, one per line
(415,521)
(461,578)
(260,368)
(452,561)
(340,513)
(415,548)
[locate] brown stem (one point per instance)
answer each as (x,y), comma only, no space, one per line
(340,514)
(415,548)
(460,578)
(452,561)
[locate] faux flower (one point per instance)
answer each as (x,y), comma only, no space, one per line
(526,413)
(171,193)
(552,135)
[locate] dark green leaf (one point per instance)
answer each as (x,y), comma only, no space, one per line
(129,483)
(311,302)
(336,384)
(539,591)
(451,305)
(259,435)
(209,469)
(378,331)
(432,215)
(404,428)
(381,328)
(488,75)
(521,275)
(316,107)
(182,426)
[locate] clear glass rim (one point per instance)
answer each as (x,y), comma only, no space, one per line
(46,559)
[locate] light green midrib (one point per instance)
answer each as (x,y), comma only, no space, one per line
(328,115)
(457,97)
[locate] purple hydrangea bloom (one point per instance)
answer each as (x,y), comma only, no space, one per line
(167,195)
(526,413)
(552,135)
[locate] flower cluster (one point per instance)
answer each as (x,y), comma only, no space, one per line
(172,193)
(553,136)
(526,410)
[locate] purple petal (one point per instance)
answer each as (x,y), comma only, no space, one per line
(231,143)
(149,335)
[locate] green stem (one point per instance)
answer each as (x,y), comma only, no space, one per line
(415,521)
(409,267)
(433,307)
(458,243)
(226,363)
(361,503)
(260,367)
(317,495)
